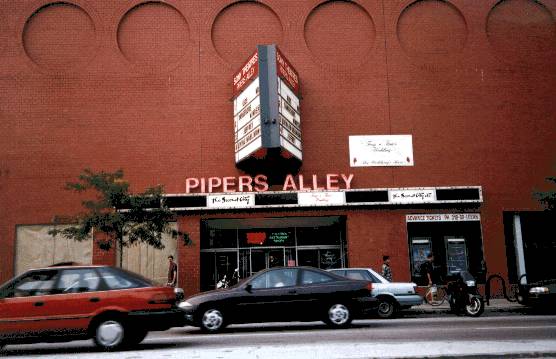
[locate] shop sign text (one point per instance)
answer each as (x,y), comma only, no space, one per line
(259,183)
(443,217)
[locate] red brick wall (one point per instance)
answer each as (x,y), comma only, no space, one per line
(147,88)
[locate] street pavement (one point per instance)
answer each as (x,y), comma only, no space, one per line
(504,331)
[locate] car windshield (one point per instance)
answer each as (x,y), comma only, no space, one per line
(117,278)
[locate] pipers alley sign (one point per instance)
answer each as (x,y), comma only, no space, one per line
(266,107)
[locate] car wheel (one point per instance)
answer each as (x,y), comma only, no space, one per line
(212,320)
(386,308)
(110,333)
(338,316)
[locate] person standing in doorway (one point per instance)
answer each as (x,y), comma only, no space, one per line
(172,272)
(386,270)
(427,270)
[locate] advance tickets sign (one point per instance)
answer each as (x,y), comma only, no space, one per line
(382,150)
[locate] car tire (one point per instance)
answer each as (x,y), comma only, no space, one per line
(212,320)
(386,308)
(110,333)
(338,315)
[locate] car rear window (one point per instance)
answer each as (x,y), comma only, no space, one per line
(117,278)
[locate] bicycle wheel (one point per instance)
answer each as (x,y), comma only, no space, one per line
(435,299)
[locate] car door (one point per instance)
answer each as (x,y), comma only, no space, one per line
(272,296)
(25,308)
(317,289)
(76,298)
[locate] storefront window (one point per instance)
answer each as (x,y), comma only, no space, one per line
(220,238)
(268,237)
(254,244)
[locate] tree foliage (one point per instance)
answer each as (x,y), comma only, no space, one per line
(547,198)
(123,217)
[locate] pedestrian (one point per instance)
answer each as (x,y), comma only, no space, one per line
(386,270)
(427,270)
(172,272)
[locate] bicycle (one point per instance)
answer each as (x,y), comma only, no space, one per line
(436,295)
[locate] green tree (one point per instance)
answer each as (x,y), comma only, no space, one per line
(123,217)
(547,198)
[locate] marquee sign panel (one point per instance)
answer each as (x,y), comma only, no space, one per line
(266,94)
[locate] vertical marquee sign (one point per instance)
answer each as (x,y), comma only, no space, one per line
(266,107)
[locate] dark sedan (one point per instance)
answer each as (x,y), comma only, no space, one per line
(542,293)
(282,294)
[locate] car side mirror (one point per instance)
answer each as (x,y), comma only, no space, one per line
(249,288)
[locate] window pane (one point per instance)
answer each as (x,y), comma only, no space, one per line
(121,279)
(312,236)
(35,283)
(355,275)
(78,280)
(260,282)
(219,238)
(310,277)
(266,237)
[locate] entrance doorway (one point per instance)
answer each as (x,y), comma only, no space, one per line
(251,245)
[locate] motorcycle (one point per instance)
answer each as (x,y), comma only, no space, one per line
(226,281)
(464,296)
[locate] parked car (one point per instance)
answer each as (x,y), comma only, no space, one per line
(282,294)
(541,293)
(62,303)
(392,296)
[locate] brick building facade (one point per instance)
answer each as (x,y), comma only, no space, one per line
(146,86)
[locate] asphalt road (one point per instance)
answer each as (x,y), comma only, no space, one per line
(498,336)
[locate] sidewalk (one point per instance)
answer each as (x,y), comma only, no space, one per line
(495,306)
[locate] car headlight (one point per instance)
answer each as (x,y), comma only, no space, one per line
(470,283)
(185,305)
(538,290)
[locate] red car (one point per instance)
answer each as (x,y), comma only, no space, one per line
(62,303)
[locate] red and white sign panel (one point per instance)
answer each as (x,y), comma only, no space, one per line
(248,72)
(247,121)
(287,72)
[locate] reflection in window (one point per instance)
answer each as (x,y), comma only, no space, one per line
(310,277)
(78,280)
(35,283)
(275,279)
(121,279)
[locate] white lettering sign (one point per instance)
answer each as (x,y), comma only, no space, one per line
(443,217)
(387,150)
(290,120)
(247,121)
(412,196)
(231,200)
(321,198)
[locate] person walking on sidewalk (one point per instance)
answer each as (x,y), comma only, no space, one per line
(172,272)
(386,270)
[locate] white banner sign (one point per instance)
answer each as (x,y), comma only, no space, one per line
(443,217)
(387,150)
(321,198)
(231,200)
(412,195)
